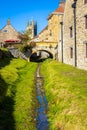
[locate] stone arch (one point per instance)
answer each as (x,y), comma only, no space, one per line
(34,54)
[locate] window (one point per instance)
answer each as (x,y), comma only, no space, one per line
(50,32)
(71,32)
(86,50)
(5,30)
(85,1)
(86,21)
(71,52)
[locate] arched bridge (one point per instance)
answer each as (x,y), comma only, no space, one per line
(43,52)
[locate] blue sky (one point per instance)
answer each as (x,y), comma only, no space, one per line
(20,11)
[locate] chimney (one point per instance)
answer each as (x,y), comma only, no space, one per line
(8,22)
(62,3)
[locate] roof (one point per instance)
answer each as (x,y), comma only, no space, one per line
(9,34)
(59,10)
(44,29)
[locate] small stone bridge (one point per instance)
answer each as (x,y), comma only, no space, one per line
(38,52)
(51,51)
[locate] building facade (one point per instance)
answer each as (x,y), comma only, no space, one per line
(69,35)
(49,36)
(54,20)
(8,34)
(32,28)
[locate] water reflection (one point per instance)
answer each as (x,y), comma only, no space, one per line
(42,121)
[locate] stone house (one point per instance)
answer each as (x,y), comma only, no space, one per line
(49,36)
(8,35)
(54,20)
(69,35)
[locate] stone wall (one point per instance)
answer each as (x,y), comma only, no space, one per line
(54,27)
(43,35)
(81,33)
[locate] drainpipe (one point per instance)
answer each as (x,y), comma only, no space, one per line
(75,47)
(61,23)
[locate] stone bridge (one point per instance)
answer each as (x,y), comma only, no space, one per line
(38,53)
(50,51)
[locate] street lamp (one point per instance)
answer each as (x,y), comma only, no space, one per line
(75,47)
(61,23)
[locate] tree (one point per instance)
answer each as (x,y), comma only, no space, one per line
(25,37)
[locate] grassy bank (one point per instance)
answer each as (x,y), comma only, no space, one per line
(17,95)
(66,91)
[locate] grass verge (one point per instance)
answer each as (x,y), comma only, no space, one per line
(66,91)
(17,107)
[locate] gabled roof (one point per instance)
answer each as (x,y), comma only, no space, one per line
(8,33)
(44,29)
(8,25)
(59,10)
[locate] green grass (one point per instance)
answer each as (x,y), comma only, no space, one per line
(66,91)
(3,49)
(17,95)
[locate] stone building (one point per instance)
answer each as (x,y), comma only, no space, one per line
(69,49)
(49,36)
(8,34)
(32,28)
(54,20)
(43,35)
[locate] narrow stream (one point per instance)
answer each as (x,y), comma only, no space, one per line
(42,122)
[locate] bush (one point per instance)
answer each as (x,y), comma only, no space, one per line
(24,48)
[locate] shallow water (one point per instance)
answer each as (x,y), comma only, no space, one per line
(42,121)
